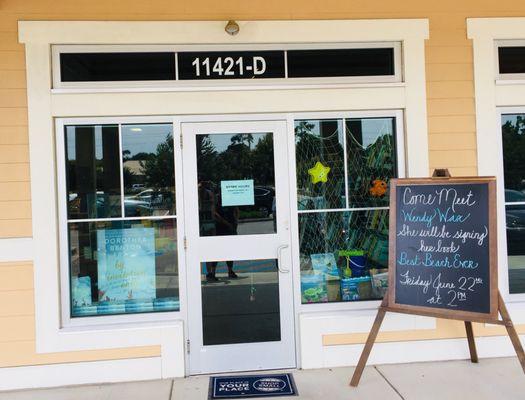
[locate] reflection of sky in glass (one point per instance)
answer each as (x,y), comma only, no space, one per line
(221,141)
(316,129)
(373,128)
(144,140)
(71,152)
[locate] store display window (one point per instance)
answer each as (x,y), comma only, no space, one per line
(343,169)
(513,131)
(121,219)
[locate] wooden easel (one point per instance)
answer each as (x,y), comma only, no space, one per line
(383,308)
(468,318)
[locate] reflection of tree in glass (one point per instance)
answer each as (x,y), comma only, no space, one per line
(366,164)
(241,138)
(325,146)
(262,160)
(206,158)
(129,175)
(513,153)
(159,170)
(238,161)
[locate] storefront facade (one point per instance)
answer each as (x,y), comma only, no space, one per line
(179,200)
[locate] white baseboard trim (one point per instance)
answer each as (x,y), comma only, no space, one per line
(416,351)
(81,373)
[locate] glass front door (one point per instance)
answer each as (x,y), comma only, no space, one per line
(240,310)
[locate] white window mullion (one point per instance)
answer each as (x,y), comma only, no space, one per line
(121,163)
(345,164)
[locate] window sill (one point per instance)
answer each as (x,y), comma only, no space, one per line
(123,326)
(207,87)
(124,320)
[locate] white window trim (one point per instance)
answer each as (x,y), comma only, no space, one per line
(218,84)
(494,97)
(85,321)
(44,106)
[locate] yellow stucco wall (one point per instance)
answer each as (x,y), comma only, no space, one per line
(450,102)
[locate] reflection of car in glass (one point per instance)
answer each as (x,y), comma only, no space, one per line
(150,196)
(263,198)
(514,196)
(515,221)
(311,202)
(137,187)
(132,208)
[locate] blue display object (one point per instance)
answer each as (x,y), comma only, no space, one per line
(107,307)
(81,291)
(325,263)
(126,266)
(350,288)
(313,288)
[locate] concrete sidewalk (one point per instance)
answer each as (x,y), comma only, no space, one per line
(491,379)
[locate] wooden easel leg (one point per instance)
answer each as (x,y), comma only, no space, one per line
(471,342)
(514,338)
(369,343)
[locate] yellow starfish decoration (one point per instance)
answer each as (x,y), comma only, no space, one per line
(319,173)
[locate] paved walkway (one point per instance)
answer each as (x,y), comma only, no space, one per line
(491,379)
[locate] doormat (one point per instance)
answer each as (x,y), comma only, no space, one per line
(243,386)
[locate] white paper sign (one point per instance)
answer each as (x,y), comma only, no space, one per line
(237,193)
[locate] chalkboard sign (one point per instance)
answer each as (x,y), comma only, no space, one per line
(443,247)
(442,257)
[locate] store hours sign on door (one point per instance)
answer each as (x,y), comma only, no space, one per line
(443,241)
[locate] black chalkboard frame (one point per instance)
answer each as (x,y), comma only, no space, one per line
(493,268)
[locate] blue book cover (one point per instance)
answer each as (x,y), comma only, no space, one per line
(325,263)
(81,291)
(126,264)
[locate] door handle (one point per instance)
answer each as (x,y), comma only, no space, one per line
(279,265)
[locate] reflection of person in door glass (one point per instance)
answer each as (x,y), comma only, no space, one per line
(226,221)
(206,208)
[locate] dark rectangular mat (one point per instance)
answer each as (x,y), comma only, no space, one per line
(243,386)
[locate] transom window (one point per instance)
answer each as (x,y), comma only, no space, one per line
(121,223)
(343,168)
(180,66)
(510,59)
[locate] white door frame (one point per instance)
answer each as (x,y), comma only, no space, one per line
(286,347)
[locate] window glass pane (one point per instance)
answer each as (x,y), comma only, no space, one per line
(93,171)
(515,220)
(99,67)
(319,152)
(343,255)
(236,184)
(513,131)
(149,170)
(340,62)
(511,60)
(122,267)
(371,161)
(513,127)
(243,308)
